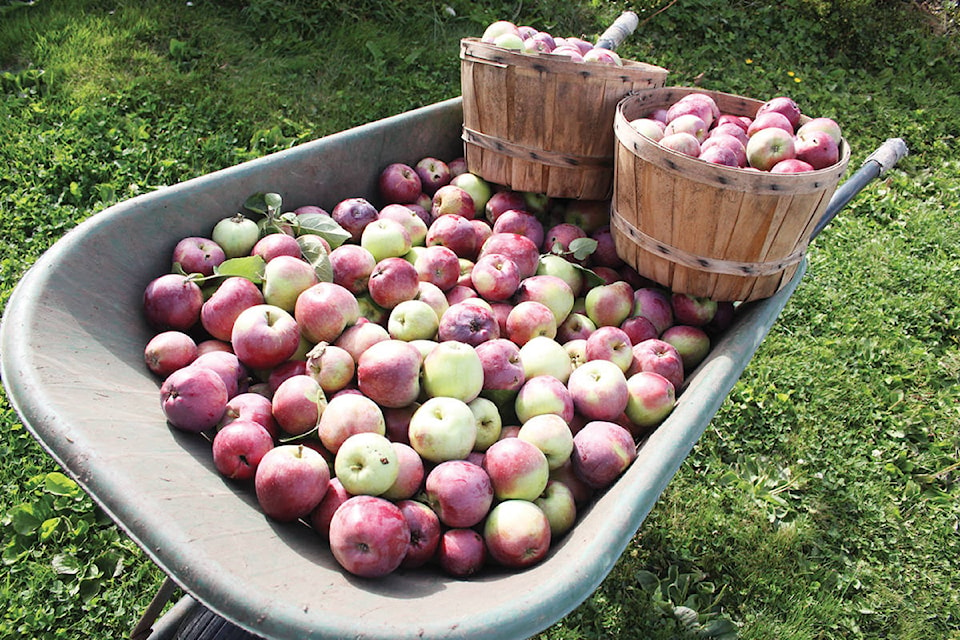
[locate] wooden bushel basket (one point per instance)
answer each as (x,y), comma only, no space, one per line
(709,230)
(541,122)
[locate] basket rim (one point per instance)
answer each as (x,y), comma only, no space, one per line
(561,63)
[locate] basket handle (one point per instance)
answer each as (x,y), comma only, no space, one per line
(876,164)
(616,33)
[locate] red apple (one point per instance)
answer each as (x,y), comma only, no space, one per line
(517,534)
(238,448)
(424,533)
(168,351)
(353,214)
(264,335)
(198,255)
(659,357)
(369,536)
(783,105)
(399,183)
(290,481)
(460,493)
(433,174)
(172,301)
(193,398)
(461,553)
(388,373)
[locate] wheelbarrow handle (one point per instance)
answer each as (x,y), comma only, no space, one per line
(619,31)
(877,163)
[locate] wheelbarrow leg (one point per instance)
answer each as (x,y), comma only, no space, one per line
(145,626)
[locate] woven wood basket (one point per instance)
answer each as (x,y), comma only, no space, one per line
(542,122)
(708,230)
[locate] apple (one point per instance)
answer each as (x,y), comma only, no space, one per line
(692,310)
(367,464)
(290,481)
(609,304)
(560,506)
(517,534)
(424,528)
(551,434)
(438,265)
(818,149)
(733,145)
(413,320)
(369,536)
(769,120)
(791,165)
(692,343)
(253,407)
(358,337)
(605,254)
(452,369)
(221,309)
(443,428)
(769,146)
(518,248)
(582,492)
(529,319)
(198,255)
(611,344)
(278,244)
(282,371)
(352,266)
(639,329)
(172,302)
(386,238)
(452,200)
(501,363)
(783,105)
(576,326)
(716,154)
(551,291)
(321,515)
(454,232)
(478,188)
(654,304)
(543,394)
(498,28)
(577,350)
(651,398)
(518,469)
(392,281)
(353,214)
(495,276)
(602,450)
(348,414)
(433,174)
(502,201)
(168,351)
(297,404)
(238,448)
(284,279)
(687,123)
(734,129)
(489,422)
(236,235)
(324,310)
(399,183)
(699,104)
(553,265)
(193,398)
(649,127)
(681,142)
(557,239)
(568,51)
(821,124)
(469,323)
(331,366)
(459,492)
(545,356)
(388,373)
(462,552)
(264,335)
(599,390)
(603,56)
(434,297)
(660,357)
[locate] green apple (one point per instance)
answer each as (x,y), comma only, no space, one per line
(489,422)
(551,434)
(413,320)
(545,356)
(478,188)
(366,464)
(453,369)
(443,428)
(236,235)
(284,279)
(385,238)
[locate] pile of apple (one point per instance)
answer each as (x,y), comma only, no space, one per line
(773,140)
(444,379)
(527,39)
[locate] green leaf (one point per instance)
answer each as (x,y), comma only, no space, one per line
(249,267)
(60,485)
(265,204)
(49,527)
(324,226)
(590,277)
(316,254)
(582,248)
(65,564)
(648,581)
(24,519)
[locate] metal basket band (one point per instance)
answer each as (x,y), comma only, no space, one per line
(541,156)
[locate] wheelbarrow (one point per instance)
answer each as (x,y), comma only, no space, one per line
(72,343)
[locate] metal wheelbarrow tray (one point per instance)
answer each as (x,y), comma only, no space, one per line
(72,364)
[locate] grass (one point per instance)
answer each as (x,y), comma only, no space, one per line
(823,500)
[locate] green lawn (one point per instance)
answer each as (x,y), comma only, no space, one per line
(823,500)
